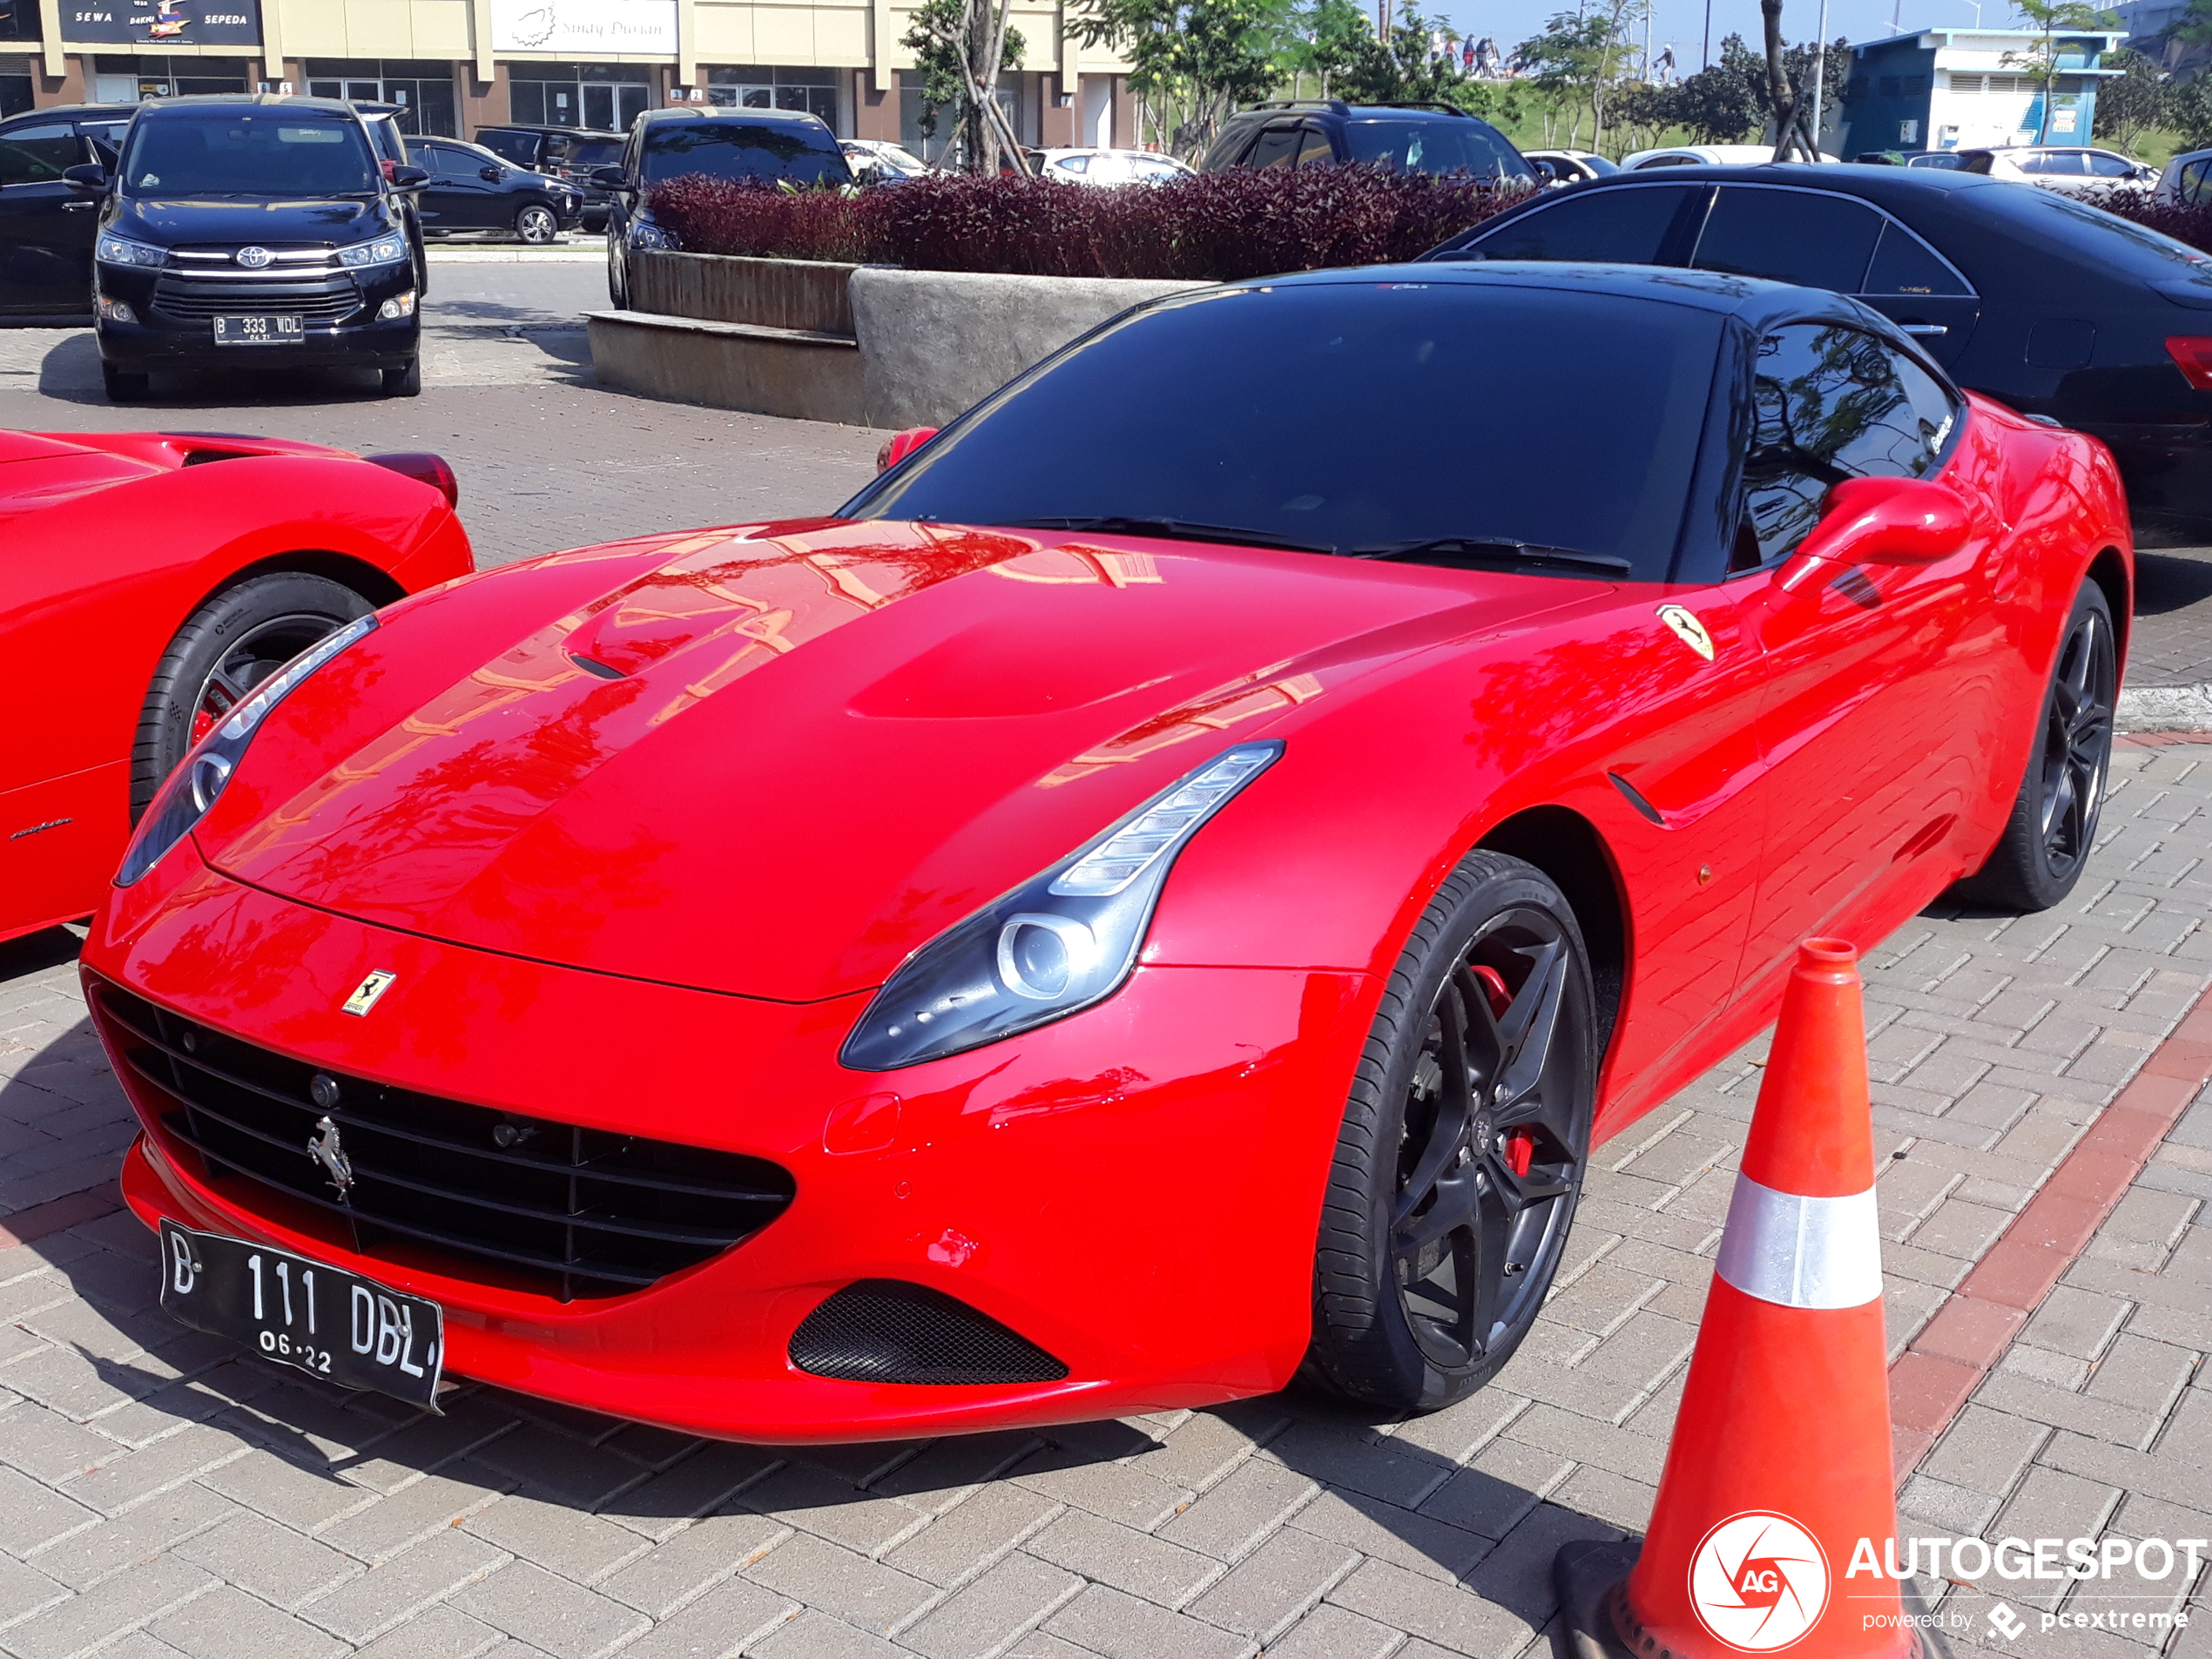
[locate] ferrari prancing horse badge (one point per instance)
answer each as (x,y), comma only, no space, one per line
(366,992)
(1688,630)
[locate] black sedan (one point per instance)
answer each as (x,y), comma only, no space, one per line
(471,189)
(2029,296)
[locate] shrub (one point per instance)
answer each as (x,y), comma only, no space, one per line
(2192,225)
(1218,227)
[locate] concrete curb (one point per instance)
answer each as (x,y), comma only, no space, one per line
(2166,708)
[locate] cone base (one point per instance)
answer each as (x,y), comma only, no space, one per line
(1595,1623)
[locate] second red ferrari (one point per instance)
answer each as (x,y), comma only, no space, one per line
(1044,943)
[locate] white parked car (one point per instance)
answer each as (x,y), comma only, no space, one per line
(2072,168)
(1106,167)
(1704,155)
(884,160)
(2187,181)
(1570,166)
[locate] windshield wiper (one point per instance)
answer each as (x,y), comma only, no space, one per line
(1172,529)
(1457,550)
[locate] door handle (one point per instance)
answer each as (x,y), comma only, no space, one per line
(1923,328)
(77,207)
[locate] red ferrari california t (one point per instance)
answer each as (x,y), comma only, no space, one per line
(150,591)
(1044,942)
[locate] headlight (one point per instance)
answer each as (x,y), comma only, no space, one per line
(193,788)
(1059,942)
(643,235)
(116,250)
(385,250)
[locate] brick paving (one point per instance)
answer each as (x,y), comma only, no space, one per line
(161,1494)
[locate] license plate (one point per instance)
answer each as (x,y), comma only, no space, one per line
(307,1314)
(258,331)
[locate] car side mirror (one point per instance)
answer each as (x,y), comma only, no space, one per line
(611,178)
(404,178)
(1885,521)
(89,176)
(899,445)
(491,175)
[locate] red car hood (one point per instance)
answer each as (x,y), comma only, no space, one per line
(774,766)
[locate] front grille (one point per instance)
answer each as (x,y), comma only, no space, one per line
(322,299)
(524,1201)
(886,1330)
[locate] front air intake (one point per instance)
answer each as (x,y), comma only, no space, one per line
(882,1331)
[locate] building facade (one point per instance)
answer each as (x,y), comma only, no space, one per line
(1966,89)
(458,64)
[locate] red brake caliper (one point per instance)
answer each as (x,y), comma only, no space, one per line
(1519,1151)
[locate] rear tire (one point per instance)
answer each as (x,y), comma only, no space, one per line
(2052,826)
(406,380)
(227,647)
(1460,1159)
(122,385)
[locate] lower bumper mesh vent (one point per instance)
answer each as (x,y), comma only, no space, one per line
(880,1330)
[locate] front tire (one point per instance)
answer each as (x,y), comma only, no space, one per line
(227,647)
(536,225)
(618,277)
(2053,822)
(405,381)
(122,385)
(1460,1159)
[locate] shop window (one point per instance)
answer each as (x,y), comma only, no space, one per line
(936,146)
(15,94)
(422,91)
(607,97)
(119,78)
(754,87)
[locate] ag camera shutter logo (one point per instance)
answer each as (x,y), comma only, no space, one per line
(1758,1581)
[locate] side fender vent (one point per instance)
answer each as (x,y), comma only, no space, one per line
(882,1331)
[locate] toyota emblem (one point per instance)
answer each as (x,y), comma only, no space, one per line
(254,258)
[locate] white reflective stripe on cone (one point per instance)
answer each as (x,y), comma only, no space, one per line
(1802,1253)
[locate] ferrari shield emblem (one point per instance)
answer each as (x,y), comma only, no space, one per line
(366,992)
(1688,630)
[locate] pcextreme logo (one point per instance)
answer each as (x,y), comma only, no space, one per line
(1759,1581)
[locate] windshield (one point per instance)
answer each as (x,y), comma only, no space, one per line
(1345,416)
(252,152)
(1434,146)
(744,150)
(594,152)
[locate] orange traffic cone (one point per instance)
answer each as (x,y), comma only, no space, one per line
(1780,1461)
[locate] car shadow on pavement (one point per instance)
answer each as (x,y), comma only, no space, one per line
(35,952)
(70,373)
(2172,579)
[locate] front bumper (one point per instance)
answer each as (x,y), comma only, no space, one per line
(1136,1190)
(157,338)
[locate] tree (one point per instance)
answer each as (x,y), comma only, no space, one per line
(2051,17)
(1578,59)
(1717,105)
(1197,59)
(961,47)
(1324,40)
(2188,112)
(1403,69)
(2137,98)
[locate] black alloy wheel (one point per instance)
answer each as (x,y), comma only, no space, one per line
(2053,827)
(537,224)
(225,650)
(617,282)
(405,381)
(122,385)
(1461,1156)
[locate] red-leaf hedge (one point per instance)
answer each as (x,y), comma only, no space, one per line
(1219,226)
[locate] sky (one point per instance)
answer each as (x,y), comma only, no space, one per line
(1682,22)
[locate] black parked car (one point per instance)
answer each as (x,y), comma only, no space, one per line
(471,189)
(249,228)
(571,154)
(775,146)
(2026,295)
(1411,137)
(46,228)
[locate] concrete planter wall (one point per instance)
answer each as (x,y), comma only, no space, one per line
(859,345)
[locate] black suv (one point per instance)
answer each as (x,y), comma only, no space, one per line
(572,154)
(774,145)
(252,228)
(1409,138)
(46,228)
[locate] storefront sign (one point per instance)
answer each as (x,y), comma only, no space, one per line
(584,28)
(164,22)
